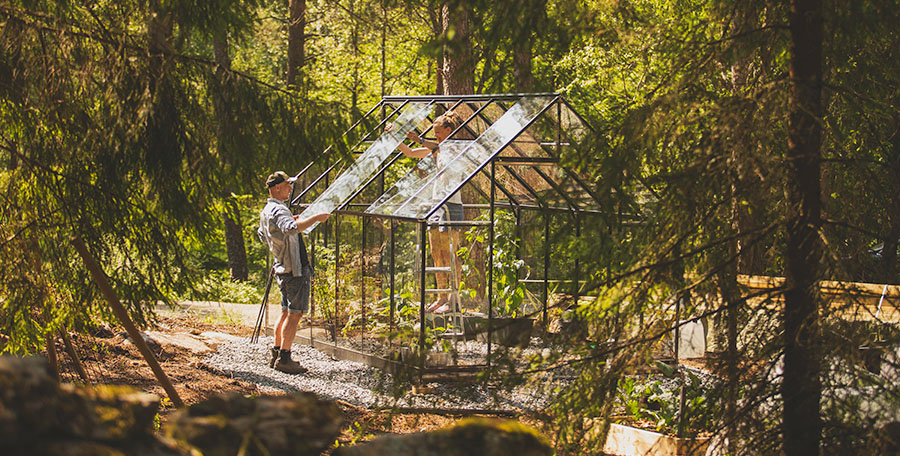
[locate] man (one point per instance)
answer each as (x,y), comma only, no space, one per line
(280,230)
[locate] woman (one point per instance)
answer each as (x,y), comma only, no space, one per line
(452,210)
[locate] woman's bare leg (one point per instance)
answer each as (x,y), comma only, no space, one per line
(440,251)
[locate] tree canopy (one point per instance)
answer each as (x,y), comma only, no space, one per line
(728,141)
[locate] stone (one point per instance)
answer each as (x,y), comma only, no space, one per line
(293,424)
(29,397)
(40,416)
(218,337)
(183,340)
(473,436)
(107,412)
(150,341)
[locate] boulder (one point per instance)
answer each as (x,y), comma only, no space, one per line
(294,424)
(39,416)
(470,437)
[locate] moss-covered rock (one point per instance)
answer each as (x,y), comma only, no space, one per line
(470,437)
(294,424)
(29,398)
(40,416)
(107,412)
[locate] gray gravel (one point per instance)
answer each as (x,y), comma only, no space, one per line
(356,383)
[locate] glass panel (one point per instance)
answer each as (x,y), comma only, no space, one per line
(367,163)
(429,183)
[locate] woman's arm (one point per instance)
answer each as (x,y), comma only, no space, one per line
(418,152)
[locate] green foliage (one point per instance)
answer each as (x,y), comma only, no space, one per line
(652,401)
(507,267)
(118,126)
(222,317)
(109,133)
(217,286)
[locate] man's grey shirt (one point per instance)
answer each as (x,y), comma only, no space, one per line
(279,231)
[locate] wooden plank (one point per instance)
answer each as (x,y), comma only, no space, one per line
(850,300)
(628,441)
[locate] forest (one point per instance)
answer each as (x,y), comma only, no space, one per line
(729,140)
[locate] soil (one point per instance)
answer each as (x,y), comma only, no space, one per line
(109,359)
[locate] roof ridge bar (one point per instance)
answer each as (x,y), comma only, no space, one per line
(470,97)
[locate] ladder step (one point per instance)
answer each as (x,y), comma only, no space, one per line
(437,269)
(438,290)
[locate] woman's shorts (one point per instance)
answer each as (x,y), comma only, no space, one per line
(452,212)
(294,293)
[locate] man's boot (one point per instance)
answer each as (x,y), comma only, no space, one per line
(287,365)
(273,356)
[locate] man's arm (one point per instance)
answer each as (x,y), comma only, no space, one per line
(303,224)
(260,235)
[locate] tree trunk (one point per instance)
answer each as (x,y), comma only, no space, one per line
(354,44)
(801,386)
(533,13)
(741,174)
(459,68)
(437,26)
(234,241)
(892,237)
(522,67)
(234,235)
(384,32)
(296,42)
(162,157)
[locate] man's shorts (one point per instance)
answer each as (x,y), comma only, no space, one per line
(452,212)
(294,293)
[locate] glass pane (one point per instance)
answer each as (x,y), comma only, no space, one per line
(367,163)
(417,193)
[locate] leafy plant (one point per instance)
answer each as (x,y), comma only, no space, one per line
(657,402)
(507,267)
(510,293)
(222,317)
(406,321)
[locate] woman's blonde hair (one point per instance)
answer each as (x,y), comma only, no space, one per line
(448,119)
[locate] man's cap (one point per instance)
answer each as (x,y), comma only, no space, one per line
(278,177)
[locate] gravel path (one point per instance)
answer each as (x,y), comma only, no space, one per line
(356,383)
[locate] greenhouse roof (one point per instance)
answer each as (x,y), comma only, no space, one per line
(510,143)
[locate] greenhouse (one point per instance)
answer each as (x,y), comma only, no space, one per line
(376,280)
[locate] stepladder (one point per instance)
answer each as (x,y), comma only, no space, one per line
(444,313)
